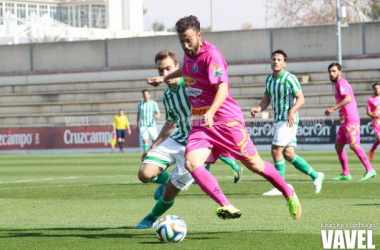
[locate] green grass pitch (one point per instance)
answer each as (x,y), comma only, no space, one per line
(94,201)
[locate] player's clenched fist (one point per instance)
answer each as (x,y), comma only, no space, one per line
(155,81)
(255,111)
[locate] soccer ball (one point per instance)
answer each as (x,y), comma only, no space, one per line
(171,228)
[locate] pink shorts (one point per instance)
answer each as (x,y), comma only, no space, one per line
(348,133)
(229,140)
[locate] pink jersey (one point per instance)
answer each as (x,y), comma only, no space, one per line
(373,105)
(201,73)
(349,112)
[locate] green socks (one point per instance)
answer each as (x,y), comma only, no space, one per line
(162,178)
(208,167)
(160,208)
(299,163)
(231,162)
(145,147)
(280,166)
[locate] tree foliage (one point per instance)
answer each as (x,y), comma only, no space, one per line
(316,12)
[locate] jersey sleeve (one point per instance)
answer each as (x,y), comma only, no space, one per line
(266,90)
(369,105)
(294,84)
(138,107)
(216,68)
(114,121)
(343,88)
(156,109)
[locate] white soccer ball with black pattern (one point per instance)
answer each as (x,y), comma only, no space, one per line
(171,228)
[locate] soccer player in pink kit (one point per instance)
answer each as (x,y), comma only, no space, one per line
(349,130)
(373,111)
(218,126)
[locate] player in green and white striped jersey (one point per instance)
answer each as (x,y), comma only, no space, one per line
(284,92)
(169,147)
(147,113)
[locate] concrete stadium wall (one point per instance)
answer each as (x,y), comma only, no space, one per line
(15,58)
(373,38)
(68,56)
(241,46)
(139,52)
(245,46)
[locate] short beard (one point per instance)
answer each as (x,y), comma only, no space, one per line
(334,79)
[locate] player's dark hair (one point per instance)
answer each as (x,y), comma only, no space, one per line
(281,52)
(163,54)
(375,84)
(145,90)
(335,64)
(187,22)
(121,110)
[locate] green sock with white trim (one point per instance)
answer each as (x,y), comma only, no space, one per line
(299,163)
(280,166)
(231,162)
(160,208)
(145,147)
(162,178)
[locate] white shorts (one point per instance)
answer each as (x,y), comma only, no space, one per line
(285,136)
(165,155)
(148,133)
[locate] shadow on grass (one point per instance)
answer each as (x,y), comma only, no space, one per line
(58,233)
(132,233)
(365,205)
(213,235)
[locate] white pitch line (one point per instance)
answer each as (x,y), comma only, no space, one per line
(64,186)
(58,178)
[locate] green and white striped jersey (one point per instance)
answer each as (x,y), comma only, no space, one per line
(281,91)
(178,109)
(146,110)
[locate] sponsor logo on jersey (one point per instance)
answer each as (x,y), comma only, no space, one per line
(189,81)
(199,111)
(216,70)
(195,68)
(193,91)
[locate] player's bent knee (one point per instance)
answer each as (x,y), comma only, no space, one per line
(353,146)
(142,177)
(254,165)
(190,165)
(146,173)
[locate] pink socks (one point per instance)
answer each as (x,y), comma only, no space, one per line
(363,158)
(207,182)
(273,176)
(342,155)
(374,146)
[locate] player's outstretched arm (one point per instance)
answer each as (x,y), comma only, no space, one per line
(263,105)
(155,81)
(345,101)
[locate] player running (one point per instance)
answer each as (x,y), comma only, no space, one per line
(217,120)
(373,111)
(169,147)
(283,90)
(349,129)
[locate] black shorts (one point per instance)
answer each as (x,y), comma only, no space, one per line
(120,133)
